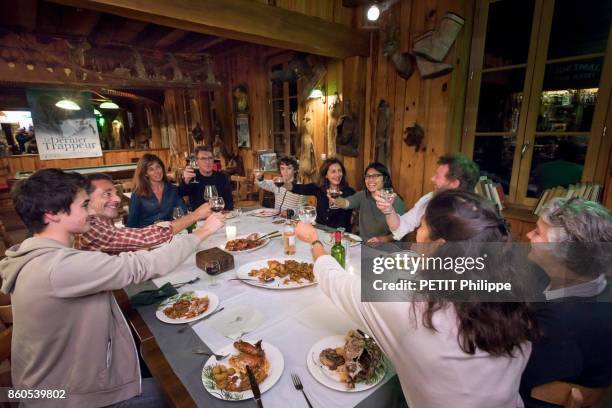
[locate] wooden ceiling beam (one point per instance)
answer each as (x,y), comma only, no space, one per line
(171,38)
(243,20)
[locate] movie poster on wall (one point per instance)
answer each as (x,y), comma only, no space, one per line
(62,133)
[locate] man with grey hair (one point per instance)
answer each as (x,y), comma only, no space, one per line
(572,243)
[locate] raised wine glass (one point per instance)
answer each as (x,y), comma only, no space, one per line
(278,182)
(217,204)
(212,269)
(387,194)
(177,212)
(307,214)
(334,192)
(210,191)
(193,163)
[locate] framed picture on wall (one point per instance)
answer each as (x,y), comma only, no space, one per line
(242,130)
(266,160)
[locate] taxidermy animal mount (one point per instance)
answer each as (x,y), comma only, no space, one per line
(413,136)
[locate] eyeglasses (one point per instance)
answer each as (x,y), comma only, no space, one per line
(206,158)
(372,176)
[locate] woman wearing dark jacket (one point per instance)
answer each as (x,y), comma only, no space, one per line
(331,174)
(154,197)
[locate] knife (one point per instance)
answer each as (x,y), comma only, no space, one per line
(254,387)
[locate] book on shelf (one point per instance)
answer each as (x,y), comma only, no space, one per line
(492,191)
(584,191)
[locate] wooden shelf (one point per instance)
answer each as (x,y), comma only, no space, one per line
(520,213)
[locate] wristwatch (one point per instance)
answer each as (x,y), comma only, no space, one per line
(316,241)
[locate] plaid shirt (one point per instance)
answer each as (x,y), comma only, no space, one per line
(104,236)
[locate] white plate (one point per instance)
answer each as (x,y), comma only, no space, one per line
(330,378)
(266,242)
(264,213)
(231,214)
(277,365)
(213,302)
(243,273)
(329,239)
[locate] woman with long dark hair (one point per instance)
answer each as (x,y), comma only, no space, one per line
(331,176)
(446,354)
(153,196)
(373,226)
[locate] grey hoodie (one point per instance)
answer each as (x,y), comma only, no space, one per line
(68,332)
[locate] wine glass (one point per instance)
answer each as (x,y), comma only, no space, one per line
(178,212)
(307,214)
(334,192)
(278,182)
(217,204)
(387,194)
(212,269)
(210,191)
(193,163)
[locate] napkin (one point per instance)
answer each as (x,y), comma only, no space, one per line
(149,297)
(234,322)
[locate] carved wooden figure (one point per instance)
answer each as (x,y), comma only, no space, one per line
(334,111)
(307,154)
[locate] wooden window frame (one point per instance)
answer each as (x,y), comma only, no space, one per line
(537,59)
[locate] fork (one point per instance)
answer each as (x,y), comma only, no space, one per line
(297,383)
(180,285)
(207,353)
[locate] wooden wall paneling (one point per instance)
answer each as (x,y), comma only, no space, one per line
(155,124)
(354,90)
(369,118)
(411,175)
(396,99)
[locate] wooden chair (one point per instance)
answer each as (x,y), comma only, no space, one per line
(244,192)
(567,394)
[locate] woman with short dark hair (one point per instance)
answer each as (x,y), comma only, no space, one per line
(331,174)
(464,354)
(153,196)
(373,227)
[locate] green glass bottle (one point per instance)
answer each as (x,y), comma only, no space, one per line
(337,250)
(192,227)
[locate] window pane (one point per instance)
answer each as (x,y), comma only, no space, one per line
(569,96)
(579,27)
(494,155)
(501,47)
(293,107)
(293,88)
(277,90)
(557,161)
(501,94)
(278,114)
(279,144)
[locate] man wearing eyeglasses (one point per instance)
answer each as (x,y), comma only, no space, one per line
(205,176)
(572,243)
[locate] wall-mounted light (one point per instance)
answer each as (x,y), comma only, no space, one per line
(373,12)
(109,105)
(67,104)
(317,93)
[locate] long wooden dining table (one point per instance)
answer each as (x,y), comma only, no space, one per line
(291,320)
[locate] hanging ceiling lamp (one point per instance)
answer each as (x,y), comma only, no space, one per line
(68,105)
(109,105)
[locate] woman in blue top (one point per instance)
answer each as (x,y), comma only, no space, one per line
(153,197)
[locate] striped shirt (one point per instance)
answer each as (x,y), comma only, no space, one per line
(284,198)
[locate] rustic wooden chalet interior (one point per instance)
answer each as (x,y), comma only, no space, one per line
(54,44)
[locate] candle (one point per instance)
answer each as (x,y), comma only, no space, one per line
(230,232)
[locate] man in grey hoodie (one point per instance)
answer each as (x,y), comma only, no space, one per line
(68,331)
